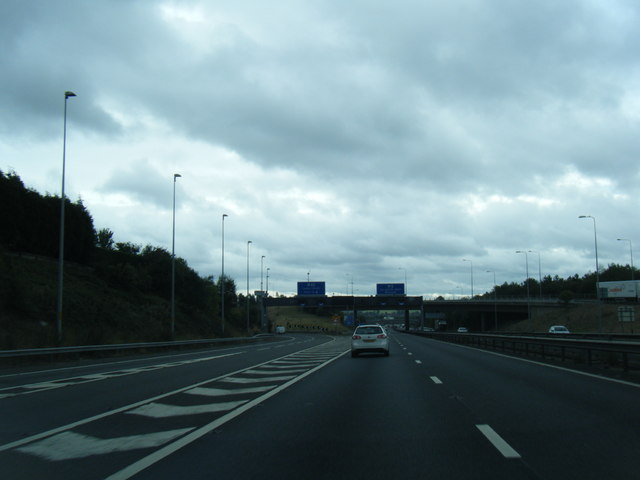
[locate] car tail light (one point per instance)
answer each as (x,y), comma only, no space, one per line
(382,335)
(356,337)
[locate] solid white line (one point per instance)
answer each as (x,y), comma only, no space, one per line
(503,447)
(41,386)
(436,380)
(158,455)
(93,365)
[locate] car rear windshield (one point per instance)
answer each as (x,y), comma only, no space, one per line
(368,330)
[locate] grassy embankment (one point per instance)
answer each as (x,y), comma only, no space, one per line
(93,311)
(578,319)
(294,319)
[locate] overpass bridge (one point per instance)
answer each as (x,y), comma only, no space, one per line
(352,303)
(486,314)
(478,315)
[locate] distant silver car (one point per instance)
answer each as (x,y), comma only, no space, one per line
(559,329)
(463,330)
(369,338)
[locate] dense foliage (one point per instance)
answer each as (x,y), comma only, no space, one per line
(565,288)
(119,285)
(31,222)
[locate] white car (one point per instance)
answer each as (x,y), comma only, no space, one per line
(463,330)
(559,329)
(369,338)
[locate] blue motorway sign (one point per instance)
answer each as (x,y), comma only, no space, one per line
(311,288)
(389,288)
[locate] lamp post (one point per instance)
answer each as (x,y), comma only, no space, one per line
(62,197)
(268,281)
(630,253)
(308,273)
(406,288)
(222,279)
(495,298)
(249,242)
(173,259)
(526,259)
(595,240)
(261,270)
(465,260)
(539,272)
(632,272)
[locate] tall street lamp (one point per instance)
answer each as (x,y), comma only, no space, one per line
(495,298)
(632,272)
(406,288)
(222,280)
(173,260)
(261,271)
(267,292)
(539,272)
(526,259)
(465,260)
(249,242)
(595,240)
(62,198)
(630,253)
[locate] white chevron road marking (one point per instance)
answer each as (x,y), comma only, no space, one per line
(68,445)
(257,380)
(221,392)
(162,410)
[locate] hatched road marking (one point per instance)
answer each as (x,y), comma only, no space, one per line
(69,445)
(192,411)
(221,392)
(162,410)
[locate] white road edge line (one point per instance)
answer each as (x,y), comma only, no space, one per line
(158,455)
(557,367)
(497,441)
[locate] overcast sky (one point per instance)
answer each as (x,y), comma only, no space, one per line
(358,141)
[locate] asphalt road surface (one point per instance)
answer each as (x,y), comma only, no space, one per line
(302,408)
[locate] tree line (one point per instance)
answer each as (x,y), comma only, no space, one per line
(564,288)
(31,225)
